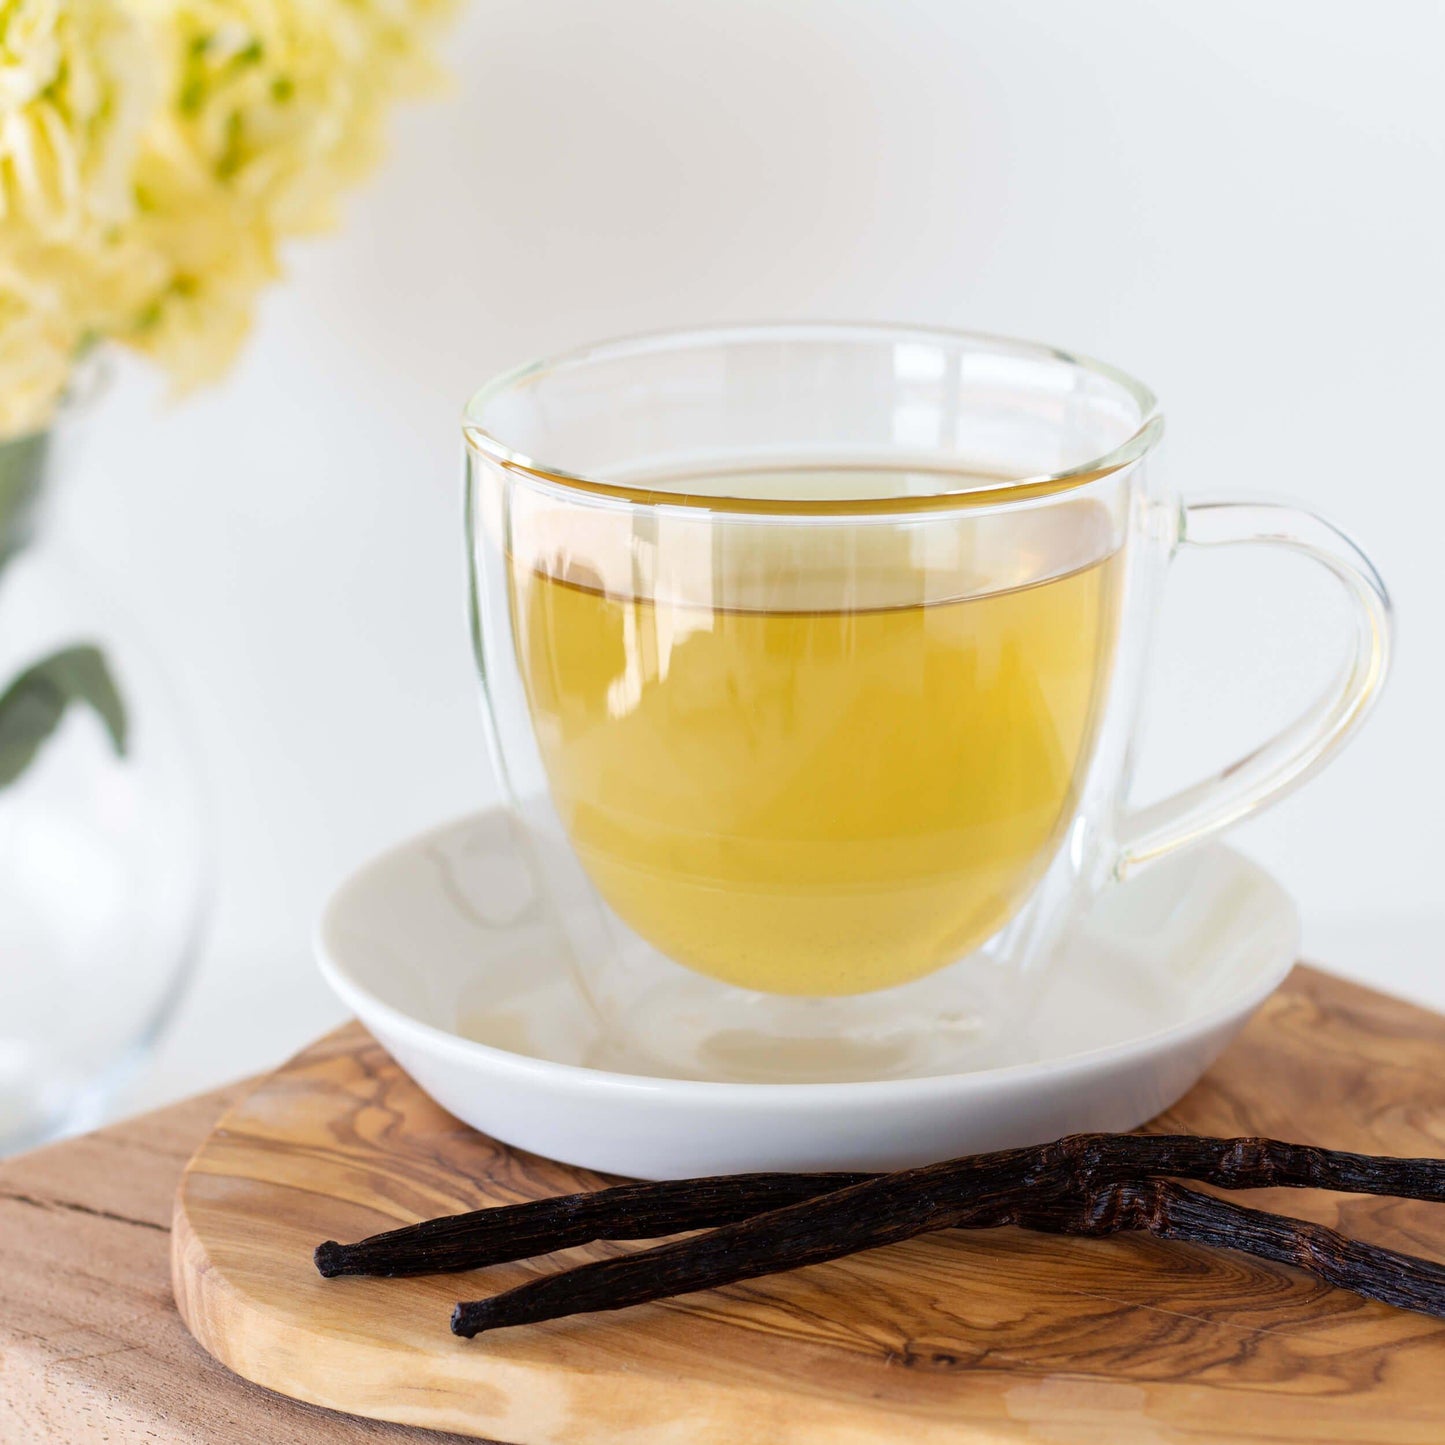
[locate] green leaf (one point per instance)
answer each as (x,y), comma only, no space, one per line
(32,707)
(22,469)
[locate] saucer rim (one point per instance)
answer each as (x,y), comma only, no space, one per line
(699,1091)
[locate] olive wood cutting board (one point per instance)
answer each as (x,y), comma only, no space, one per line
(998,1335)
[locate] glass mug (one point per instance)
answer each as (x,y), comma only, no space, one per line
(812,659)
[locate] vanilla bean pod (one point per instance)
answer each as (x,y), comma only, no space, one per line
(539,1226)
(769,1244)
(1169,1211)
(1083,1184)
(882,1210)
(646,1211)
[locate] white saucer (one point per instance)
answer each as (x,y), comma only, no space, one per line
(446,951)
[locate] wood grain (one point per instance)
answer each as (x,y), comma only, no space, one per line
(1002,1336)
(91,1347)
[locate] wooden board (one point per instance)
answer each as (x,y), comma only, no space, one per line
(91,1347)
(1000,1336)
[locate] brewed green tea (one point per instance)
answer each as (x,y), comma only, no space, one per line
(814,799)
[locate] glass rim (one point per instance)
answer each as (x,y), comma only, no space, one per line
(987,493)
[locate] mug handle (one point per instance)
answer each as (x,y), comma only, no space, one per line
(1295,754)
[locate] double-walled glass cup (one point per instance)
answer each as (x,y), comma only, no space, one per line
(812,657)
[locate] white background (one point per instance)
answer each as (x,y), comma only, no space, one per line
(1240,202)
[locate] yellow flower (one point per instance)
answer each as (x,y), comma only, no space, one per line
(77,86)
(154,154)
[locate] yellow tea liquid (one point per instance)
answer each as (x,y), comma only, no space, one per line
(815,801)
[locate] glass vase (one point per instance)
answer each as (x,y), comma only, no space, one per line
(102,865)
